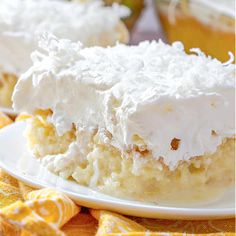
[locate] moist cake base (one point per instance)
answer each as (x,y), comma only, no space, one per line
(133,175)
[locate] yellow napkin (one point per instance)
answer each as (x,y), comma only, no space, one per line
(4,120)
(25,211)
(49,212)
(114,223)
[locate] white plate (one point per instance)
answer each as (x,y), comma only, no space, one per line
(16,160)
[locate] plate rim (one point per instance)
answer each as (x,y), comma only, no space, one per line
(9,111)
(161,212)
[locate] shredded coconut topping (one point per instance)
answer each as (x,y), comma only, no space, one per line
(170,100)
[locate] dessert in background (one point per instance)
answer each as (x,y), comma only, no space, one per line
(145,122)
(205,24)
(22,21)
(135,7)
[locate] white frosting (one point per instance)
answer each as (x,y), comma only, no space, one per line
(22,21)
(153,90)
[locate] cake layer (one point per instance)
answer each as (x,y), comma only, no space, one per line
(153,97)
(22,21)
(85,157)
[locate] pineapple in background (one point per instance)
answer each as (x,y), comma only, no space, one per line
(136,7)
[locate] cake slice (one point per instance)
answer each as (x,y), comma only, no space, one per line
(145,122)
(21,22)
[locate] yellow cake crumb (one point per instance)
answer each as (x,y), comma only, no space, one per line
(43,138)
(7,84)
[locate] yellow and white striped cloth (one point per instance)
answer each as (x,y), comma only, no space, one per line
(46,212)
